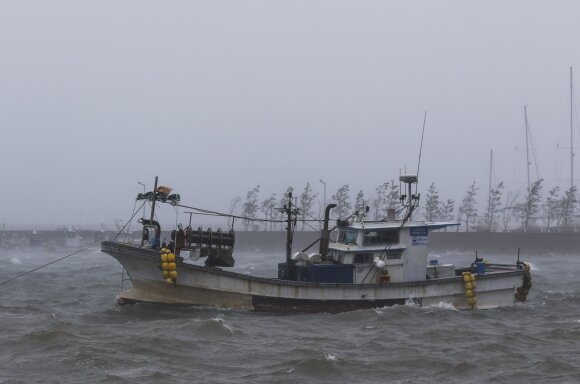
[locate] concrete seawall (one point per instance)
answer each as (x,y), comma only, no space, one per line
(274,241)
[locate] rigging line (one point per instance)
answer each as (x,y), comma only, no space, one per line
(128,222)
(385,251)
(47,264)
(72,254)
(213,213)
(134,205)
(421,146)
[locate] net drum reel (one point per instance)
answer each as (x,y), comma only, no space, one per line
(217,246)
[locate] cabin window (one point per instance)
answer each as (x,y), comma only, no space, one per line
(394,255)
(363,258)
(381,237)
(347,237)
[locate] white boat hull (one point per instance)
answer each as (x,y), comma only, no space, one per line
(199,285)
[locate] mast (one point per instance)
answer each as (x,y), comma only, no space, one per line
(571,131)
(527,145)
(489,193)
(153,201)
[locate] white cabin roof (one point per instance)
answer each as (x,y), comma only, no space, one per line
(397,224)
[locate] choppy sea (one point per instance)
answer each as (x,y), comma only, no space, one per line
(60,324)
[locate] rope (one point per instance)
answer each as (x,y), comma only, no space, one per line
(67,256)
(47,264)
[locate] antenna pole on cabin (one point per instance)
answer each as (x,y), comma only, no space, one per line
(154,197)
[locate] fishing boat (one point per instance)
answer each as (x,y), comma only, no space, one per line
(359,264)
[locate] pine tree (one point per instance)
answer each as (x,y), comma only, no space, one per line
(531,206)
(392,198)
(432,204)
(267,208)
(250,207)
(282,202)
(342,200)
(306,202)
(447,210)
(553,207)
(468,209)
(360,200)
(568,205)
(493,204)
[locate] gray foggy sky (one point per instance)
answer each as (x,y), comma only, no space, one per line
(216,97)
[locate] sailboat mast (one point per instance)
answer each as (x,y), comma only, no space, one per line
(490,171)
(527,145)
(571,132)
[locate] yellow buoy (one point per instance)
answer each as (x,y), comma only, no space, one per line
(473,285)
(166,274)
(165,266)
(472,301)
(469,293)
(171,257)
(163,257)
(472,277)
(466,278)
(172,266)
(169,281)
(173,275)
(468,286)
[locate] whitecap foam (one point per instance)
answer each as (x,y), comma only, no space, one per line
(329,356)
(533,267)
(219,320)
(442,305)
